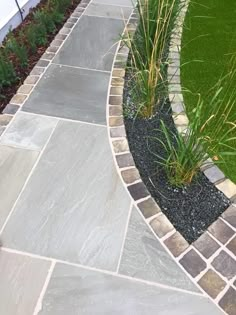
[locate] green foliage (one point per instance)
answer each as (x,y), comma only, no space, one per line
(207,137)
(19,50)
(44,17)
(60,5)
(208,44)
(57,17)
(147,47)
(31,36)
(7,72)
(41,38)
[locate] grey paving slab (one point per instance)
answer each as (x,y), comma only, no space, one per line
(22,279)
(15,166)
(72,93)
(129,3)
(74,207)
(91,45)
(29,131)
(110,11)
(75,291)
(144,257)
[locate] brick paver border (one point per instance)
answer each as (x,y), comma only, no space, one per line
(211,260)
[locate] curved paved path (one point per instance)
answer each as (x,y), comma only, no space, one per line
(73,241)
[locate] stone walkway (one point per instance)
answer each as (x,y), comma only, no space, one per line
(73,241)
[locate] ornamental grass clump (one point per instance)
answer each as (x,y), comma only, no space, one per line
(147,48)
(205,141)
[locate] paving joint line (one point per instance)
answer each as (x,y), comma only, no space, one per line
(103,271)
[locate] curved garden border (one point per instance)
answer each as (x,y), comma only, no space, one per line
(211,260)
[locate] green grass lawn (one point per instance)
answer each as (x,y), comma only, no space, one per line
(208,44)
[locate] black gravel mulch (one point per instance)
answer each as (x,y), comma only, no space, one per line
(191,209)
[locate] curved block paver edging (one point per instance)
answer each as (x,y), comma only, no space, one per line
(42,65)
(210,261)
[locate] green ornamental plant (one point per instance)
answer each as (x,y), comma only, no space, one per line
(205,138)
(7,72)
(19,50)
(147,48)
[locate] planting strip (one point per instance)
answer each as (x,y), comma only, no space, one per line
(211,260)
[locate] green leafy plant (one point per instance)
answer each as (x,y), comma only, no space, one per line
(147,47)
(44,17)
(19,50)
(59,5)
(40,30)
(7,72)
(31,37)
(205,138)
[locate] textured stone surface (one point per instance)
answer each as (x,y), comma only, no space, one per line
(32,79)
(11,109)
(115,110)
(225,265)
(212,283)
(228,302)
(5,119)
(98,44)
(116,90)
(148,208)
(117,132)
(214,174)
(75,290)
(29,131)
(221,231)
(18,99)
(120,145)
(43,63)
(116,122)
(25,89)
(206,245)
(119,73)
(80,94)
(37,71)
(109,11)
(144,257)
(232,246)
(48,56)
(115,100)
(193,263)
(80,211)
(131,175)
(138,191)
(125,160)
(117,82)
(15,166)
(22,279)
(161,225)
(230,215)
(176,244)
(228,188)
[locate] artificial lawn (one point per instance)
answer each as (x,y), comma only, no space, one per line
(208,44)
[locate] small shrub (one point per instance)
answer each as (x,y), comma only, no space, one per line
(19,50)
(45,18)
(31,37)
(41,32)
(7,72)
(57,17)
